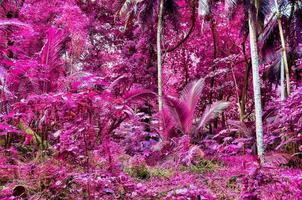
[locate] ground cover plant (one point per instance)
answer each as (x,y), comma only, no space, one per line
(151,99)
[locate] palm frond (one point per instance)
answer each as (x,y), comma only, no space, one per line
(230,4)
(277,159)
(127,9)
(297,23)
(211,112)
(117,81)
(192,93)
(182,109)
(264,9)
(168,124)
(241,127)
(272,74)
(147,13)
(52,49)
(139,93)
(203,7)
(269,37)
(181,113)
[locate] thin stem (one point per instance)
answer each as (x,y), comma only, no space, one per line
(282,81)
(284,56)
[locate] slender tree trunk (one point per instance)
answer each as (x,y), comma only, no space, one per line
(214,36)
(256,86)
(282,89)
(159,61)
(186,70)
(284,56)
(244,91)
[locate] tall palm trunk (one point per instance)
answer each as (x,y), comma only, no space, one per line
(159,61)
(284,56)
(256,86)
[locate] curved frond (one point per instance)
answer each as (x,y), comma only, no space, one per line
(211,112)
(182,109)
(10,22)
(269,37)
(139,93)
(127,7)
(50,54)
(180,112)
(192,93)
(168,123)
(117,81)
(241,127)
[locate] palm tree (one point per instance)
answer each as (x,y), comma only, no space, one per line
(255,10)
(256,83)
(288,13)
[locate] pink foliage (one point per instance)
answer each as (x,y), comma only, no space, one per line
(78,101)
